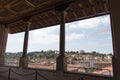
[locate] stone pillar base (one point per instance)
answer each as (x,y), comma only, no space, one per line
(23,63)
(116,68)
(61,63)
(60,75)
(2,60)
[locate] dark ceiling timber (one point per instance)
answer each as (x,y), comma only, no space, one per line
(37,11)
(43,13)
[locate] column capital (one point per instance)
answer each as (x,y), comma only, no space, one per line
(29,23)
(62,7)
(61,10)
(27,18)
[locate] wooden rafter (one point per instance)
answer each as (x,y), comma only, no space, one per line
(44,14)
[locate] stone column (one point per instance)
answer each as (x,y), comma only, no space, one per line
(61,60)
(3,41)
(24,59)
(115,23)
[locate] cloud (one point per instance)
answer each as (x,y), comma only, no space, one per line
(37,39)
(44,36)
(48,38)
(15,42)
(16,37)
(90,23)
(74,36)
(105,19)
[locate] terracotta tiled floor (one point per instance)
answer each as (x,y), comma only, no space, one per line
(3,78)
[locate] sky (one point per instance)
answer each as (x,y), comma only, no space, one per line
(93,34)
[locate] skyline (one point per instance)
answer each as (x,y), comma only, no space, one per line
(93,34)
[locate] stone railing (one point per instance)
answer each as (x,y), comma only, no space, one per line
(41,74)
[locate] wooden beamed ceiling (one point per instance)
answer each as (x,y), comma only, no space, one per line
(44,14)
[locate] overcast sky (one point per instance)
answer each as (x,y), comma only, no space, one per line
(92,34)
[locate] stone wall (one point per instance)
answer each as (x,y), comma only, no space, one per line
(30,74)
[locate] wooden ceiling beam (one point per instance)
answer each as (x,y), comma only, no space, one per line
(29,3)
(38,20)
(92,5)
(106,7)
(45,14)
(12,11)
(82,10)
